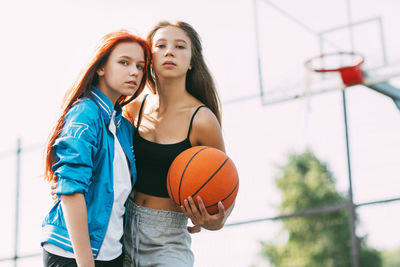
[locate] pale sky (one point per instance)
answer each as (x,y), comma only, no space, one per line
(46,43)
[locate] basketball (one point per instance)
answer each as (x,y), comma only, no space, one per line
(206,172)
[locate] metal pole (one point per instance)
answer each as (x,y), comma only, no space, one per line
(351,207)
(382,35)
(17,201)
(260,80)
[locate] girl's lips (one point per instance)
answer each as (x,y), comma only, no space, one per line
(132,83)
(169,63)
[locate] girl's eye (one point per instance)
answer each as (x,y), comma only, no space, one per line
(160,46)
(124,62)
(180,47)
(140,67)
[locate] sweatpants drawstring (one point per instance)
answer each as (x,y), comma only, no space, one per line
(135,229)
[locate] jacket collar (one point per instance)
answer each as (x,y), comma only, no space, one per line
(106,107)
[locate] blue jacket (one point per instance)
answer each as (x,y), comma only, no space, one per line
(84,154)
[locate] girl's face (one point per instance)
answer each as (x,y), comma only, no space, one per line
(123,71)
(172,52)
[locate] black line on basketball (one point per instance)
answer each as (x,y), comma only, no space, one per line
(209,179)
(237,183)
(183,173)
(170,189)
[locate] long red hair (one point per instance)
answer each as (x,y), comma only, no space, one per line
(89,77)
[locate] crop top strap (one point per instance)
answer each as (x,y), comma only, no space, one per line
(191,120)
(140,112)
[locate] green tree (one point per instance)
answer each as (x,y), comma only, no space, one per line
(317,240)
(391,258)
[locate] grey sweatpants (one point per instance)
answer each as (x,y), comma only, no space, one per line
(156,238)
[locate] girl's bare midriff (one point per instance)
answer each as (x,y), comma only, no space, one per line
(158,203)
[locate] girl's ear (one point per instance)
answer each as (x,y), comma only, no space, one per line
(100,71)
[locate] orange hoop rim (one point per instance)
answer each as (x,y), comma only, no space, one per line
(357,64)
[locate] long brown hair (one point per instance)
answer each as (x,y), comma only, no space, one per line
(199,82)
(88,78)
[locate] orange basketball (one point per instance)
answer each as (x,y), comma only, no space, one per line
(206,172)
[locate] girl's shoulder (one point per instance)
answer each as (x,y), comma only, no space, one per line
(206,130)
(131,110)
(204,117)
(85,109)
(85,103)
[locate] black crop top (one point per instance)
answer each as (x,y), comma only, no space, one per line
(153,160)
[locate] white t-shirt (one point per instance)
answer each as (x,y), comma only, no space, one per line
(111,247)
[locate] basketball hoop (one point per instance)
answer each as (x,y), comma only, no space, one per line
(348,64)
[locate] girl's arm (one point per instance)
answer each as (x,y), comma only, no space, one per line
(73,168)
(75,214)
(206,131)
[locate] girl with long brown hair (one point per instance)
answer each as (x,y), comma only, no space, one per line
(182,111)
(90,155)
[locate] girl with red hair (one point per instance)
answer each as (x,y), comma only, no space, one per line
(90,155)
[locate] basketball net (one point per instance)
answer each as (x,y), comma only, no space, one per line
(306,94)
(307,83)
